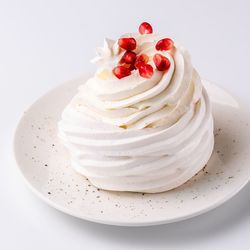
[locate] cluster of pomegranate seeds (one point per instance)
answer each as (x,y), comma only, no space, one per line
(131,61)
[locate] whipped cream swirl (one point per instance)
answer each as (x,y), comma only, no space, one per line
(137,134)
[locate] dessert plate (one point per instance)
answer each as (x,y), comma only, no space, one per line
(45,165)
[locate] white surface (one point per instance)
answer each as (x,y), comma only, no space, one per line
(45,164)
(43,43)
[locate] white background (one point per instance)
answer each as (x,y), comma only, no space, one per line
(43,43)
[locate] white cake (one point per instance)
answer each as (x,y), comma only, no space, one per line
(139,134)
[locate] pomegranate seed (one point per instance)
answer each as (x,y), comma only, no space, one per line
(161,62)
(127,43)
(145,28)
(141,59)
(146,70)
(128,57)
(130,66)
(121,71)
(164,44)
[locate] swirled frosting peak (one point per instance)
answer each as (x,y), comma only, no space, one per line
(143,122)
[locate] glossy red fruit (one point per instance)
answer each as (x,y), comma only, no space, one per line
(145,28)
(121,71)
(164,44)
(141,59)
(162,63)
(128,57)
(130,66)
(146,70)
(127,43)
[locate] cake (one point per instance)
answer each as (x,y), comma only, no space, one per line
(143,121)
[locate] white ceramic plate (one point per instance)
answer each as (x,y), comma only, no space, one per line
(45,165)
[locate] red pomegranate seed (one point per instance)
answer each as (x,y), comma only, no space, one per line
(146,70)
(141,59)
(127,43)
(145,28)
(128,57)
(161,62)
(121,71)
(130,66)
(164,44)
